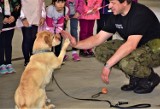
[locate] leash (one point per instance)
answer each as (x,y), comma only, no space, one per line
(10,28)
(118,105)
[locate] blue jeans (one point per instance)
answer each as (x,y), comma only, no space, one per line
(74,28)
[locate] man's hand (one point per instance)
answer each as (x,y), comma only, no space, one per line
(73,42)
(105,74)
(65,34)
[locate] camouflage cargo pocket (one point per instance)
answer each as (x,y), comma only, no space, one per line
(154,45)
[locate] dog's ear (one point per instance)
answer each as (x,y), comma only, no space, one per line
(48,38)
(40,33)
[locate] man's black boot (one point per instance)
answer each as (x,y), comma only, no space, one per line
(146,85)
(133,82)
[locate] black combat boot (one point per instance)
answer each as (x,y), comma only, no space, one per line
(146,85)
(133,82)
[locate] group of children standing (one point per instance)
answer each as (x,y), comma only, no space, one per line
(75,10)
(33,14)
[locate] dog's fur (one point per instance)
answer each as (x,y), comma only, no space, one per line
(37,74)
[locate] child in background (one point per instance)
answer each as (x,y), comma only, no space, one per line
(104,15)
(87,22)
(32,15)
(74,12)
(55,19)
(11,11)
(1,18)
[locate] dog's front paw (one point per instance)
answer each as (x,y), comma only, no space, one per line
(67,42)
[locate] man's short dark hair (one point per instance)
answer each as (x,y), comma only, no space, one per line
(121,1)
(128,1)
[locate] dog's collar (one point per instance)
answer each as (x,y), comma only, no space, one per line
(40,51)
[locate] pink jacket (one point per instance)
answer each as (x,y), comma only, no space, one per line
(92,4)
(78,7)
(54,20)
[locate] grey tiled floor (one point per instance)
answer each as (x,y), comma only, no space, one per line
(79,79)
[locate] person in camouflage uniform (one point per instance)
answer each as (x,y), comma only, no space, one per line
(137,54)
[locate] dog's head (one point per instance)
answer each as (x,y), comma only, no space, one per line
(45,40)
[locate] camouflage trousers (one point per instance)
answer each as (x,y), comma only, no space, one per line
(138,63)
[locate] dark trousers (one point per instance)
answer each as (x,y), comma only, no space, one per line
(86,29)
(6,46)
(29,35)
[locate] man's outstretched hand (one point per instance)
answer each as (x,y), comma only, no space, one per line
(65,34)
(105,74)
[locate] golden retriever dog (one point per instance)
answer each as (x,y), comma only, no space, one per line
(30,93)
